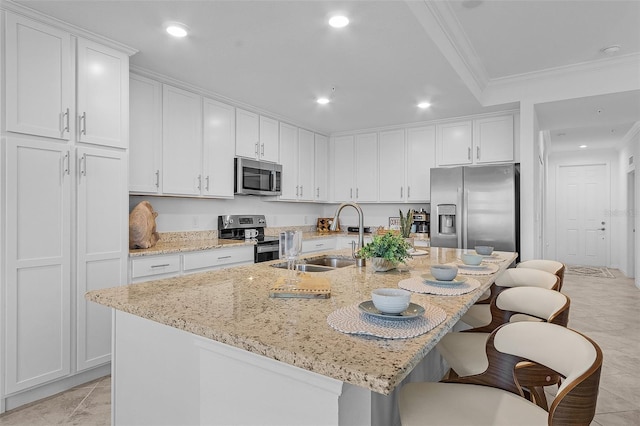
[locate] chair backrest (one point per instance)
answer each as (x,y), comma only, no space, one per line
(518,277)
(538,304)
(574,356)
(551,266)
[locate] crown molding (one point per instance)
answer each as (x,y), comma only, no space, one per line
(27,12)
(633,132)
(444,29)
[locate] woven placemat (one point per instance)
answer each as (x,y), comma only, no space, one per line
(487,268)
(419,285)
(352,320)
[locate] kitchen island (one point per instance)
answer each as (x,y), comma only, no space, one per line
(213,348)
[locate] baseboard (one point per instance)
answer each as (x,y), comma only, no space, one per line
(55,387)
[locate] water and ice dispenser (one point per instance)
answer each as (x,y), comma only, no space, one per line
(446,219)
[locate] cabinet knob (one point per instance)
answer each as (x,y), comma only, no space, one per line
(469,153)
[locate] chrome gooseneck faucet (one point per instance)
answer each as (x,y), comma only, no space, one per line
(334,226)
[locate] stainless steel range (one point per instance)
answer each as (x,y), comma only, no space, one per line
(250,227)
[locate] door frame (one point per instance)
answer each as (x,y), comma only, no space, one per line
(631,223)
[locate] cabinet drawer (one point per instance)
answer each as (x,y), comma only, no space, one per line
(309,246)
(218,257)
(145,267)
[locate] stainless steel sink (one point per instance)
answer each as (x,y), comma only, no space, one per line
(320,263)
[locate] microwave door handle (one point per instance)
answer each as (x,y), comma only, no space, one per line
(272,180)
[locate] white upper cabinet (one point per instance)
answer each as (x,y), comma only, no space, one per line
(493,139)
(366,165)
(181,142)
(289,161)
(306,164)
(256,136)
(478,141)
(145,135)
(321,180)
(421,157)
(455,143)
(269,139)
(343,163)
(392,166)
(103,101)
(218,148)
(39,75)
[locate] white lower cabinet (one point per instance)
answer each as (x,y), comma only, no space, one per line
(146,268)
(318,244)
(45,180)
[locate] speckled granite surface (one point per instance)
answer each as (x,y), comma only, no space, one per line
(176,242)
(232,306)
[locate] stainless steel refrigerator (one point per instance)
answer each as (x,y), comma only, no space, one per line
(476,205)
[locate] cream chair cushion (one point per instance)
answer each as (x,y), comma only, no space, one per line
(441,404)
(550,266)
(464,352)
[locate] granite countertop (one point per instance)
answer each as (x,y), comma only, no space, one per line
(177,242)
(232,306)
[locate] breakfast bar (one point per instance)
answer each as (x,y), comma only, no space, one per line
(214,348)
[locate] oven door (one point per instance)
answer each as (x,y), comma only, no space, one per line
(266,252)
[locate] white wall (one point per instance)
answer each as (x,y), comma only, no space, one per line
(583,157)
(628,214)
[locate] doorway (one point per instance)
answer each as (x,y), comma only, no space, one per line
(583,208)
(631,224)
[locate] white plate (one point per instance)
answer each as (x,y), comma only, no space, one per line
(412,311)
(418,252)
(492,255)
(430,279)
(462,265)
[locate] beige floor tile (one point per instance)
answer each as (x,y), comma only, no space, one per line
(624,418)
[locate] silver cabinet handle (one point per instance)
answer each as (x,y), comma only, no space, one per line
(83,124)
(199,182)
(408,192)
(207,186)
(224,257)
(401,192)
(262,150)
(256,150)
(158,178)
(469,153)
(477,153)
(350,192)
(64,122)
(318,192)
(160,266)
(65,164)
(297,190)
(83,165)
(301,190)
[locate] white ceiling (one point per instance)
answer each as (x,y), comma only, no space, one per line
(278,56)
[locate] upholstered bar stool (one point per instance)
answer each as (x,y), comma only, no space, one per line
(551,266)
(494,397)
(479,315)
(464,351)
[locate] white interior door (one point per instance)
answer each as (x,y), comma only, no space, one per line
(583,206)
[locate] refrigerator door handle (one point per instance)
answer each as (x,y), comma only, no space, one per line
(459,213)
(465,218)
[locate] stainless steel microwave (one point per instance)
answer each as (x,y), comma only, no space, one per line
(257,177)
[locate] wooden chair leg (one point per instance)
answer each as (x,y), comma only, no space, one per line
(538,397)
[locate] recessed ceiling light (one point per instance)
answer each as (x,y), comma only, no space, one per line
(339,21)
(322,101)
(424,105)
(561,134)
(582,146)
(177,29)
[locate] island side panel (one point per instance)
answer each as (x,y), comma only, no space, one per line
(154,373)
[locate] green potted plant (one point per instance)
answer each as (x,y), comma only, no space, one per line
(386,251)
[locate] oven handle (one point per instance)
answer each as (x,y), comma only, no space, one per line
(267,248)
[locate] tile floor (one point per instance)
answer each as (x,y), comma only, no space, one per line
(605,309)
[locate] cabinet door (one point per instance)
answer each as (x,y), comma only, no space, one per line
(103,95)
(421,157)
(366,164)
(247,134)
(321,157)
(318,244)
(38,262)
(493,139)
(145,135)
(343,168)
(181,142)
(102,244)
(454,143)
(269,139)
(305,164)
(392,166)
(218,147)
(289,161)
(39,79)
